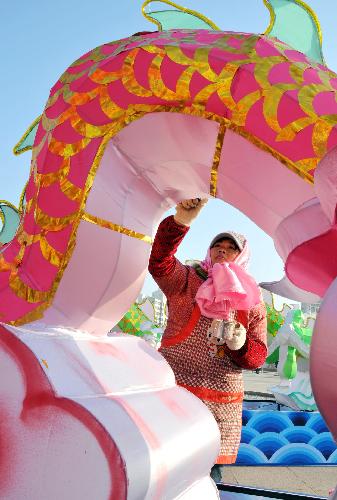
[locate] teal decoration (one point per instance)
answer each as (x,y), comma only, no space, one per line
(10,218)
(26,142)
(293,22)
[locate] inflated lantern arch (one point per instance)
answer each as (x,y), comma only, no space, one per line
(232,94)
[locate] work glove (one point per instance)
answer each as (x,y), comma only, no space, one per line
(237,340)
(188,210)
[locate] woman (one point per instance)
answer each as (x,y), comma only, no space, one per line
(216,322)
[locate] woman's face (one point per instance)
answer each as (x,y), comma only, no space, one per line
(224,251)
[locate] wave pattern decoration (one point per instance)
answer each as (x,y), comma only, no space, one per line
(285,438)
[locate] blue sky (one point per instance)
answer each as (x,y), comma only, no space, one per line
(40,39)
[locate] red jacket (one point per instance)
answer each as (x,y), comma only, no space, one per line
(180,284)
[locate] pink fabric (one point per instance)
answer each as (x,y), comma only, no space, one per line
(55,203)
(281,73)
(229,287)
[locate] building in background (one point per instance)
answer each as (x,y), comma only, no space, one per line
(158,300)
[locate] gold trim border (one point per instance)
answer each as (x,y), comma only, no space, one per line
(272,17)
(216,159)
(93,219)
(22,197)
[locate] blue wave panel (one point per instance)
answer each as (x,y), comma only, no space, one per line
(333,458)
(297,454)
(249,455)
(317,423)
(272,421)
(286,438)
(299,418)
(299,434)
(247,434)
(324,443)
(269,443)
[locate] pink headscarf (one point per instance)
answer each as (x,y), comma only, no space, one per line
(228,288)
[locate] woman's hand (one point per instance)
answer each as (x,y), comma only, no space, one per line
(188,210)
(238,338)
